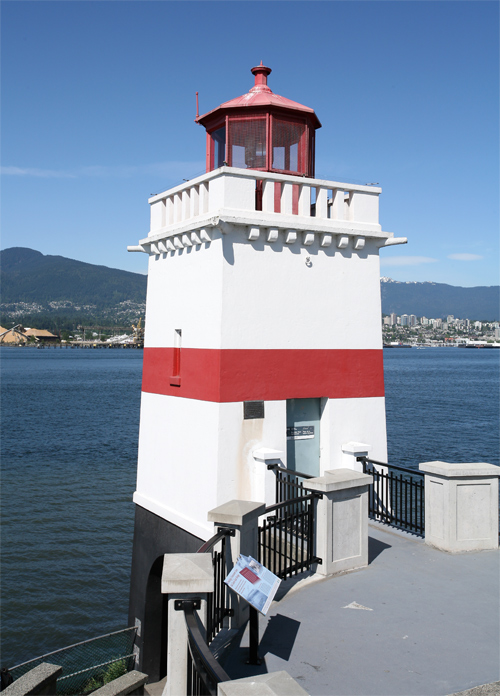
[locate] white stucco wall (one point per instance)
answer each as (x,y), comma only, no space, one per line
(233,293)
(195,455)
(321,291)
(185,292)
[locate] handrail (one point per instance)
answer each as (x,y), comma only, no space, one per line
(292,501)
(269,176)
(202,656)
(366,460)
(74,645)
(221,532)
(277,467)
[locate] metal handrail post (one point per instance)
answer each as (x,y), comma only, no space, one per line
(253,650)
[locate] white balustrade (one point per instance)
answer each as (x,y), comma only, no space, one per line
(231,188)
(157,214)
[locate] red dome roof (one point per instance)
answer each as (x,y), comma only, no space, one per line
(260,96)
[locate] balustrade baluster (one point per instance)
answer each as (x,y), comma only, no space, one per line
(204,194)
(305,201)
(195,201)
(321,202)
(337,211)
(177,207)
(268,196)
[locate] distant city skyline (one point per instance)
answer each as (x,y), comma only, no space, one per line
(99,102)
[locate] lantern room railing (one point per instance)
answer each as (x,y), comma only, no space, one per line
(255,192)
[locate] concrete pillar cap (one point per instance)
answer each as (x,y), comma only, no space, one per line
(236,512)
(337,480)
(449,470)
(265,454)
(278,683)
(187,573)
(355,448)
(35,681)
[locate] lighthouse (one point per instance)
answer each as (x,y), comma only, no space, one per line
(263,338)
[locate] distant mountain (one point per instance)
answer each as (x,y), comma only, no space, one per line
(437,300)
(53,292)
(41,289)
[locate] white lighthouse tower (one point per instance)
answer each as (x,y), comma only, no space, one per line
(263,333)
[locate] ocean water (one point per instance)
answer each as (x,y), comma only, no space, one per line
(70,421)
(70,424)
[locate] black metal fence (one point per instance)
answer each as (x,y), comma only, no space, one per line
(288,483)
(203,670)
(397,496)
(89,664)
(218,601)
(286,538)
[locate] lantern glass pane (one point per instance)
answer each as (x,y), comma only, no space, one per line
(219,146)
(289,146)
(247,143)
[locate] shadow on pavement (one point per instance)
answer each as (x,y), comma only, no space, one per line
(279,636)
(375,548)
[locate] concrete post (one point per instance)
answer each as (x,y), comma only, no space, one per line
(350,452)
(341,519)
(41,680)
(461,506)
(130,684)
(242,516)
(265,479)
(278,683)
(185,576)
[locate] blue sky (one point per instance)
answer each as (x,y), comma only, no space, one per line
(99,102)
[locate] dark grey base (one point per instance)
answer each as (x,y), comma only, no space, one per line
(153,537)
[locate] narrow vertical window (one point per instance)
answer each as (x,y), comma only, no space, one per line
(175,379)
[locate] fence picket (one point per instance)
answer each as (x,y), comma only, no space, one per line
(396,498)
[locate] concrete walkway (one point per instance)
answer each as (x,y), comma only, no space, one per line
(416,622)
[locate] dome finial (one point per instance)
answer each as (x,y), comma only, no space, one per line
(261,72)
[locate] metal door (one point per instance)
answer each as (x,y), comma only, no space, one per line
(302,435)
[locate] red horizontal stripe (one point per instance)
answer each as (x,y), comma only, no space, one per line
(268,375)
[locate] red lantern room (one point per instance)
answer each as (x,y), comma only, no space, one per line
(261,130)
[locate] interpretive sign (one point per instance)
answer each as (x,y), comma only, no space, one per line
(300,432)
(253,582)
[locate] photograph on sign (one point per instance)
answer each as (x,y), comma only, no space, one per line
(253,582)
